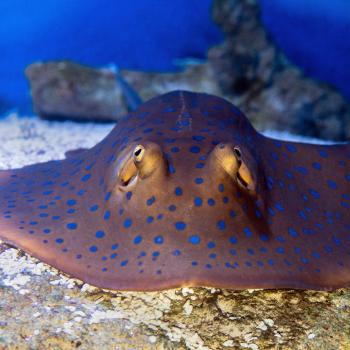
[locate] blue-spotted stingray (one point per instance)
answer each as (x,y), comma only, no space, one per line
(185,192)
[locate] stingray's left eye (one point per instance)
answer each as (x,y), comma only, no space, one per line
(139,152)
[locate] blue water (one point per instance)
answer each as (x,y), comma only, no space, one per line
(151,34)
(315,34)
(137,34)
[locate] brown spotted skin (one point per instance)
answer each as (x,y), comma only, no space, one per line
(187,223)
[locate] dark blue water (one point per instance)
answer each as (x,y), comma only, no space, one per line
(315,34)
(137,34)
(150,34)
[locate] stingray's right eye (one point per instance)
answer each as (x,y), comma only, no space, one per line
(139,153)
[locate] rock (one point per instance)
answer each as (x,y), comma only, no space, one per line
(66,90)
(255,74)
(41,308)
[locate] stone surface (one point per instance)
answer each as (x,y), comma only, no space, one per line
(66,90)
(270,90)
(42,309)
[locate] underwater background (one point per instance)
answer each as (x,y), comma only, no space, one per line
(154,35)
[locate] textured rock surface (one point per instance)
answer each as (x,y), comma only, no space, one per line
(66,90)
(272,92)
(42,309)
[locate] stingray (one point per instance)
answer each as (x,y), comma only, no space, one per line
(185,192)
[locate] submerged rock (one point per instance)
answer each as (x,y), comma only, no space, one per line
(66,90)
(273,92)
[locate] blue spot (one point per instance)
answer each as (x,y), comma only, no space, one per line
(211,202)
(302,214)
(107,196)
(304,260)
(151,200)
(56,217)
(198,202)
(79,193)
(314,194)
(211,245)
(46,193)
(200,165)
(180,225)
(99,234)
(72,226)
(323,153)
(93,249)
(46,230)
(155,254)
(316,255)
(194,263)
(149,219)
(94,207)
(33,223)
(128,195)
(212,256)
(250,251)
(221,225)
(291,148)
(172,207)
(71,202)
(43,215)
(59,240)
(137,239)
(171,169)
(107,215)
(292,232)
(248,232)
(233,240)
(158,240)
(280,250)
(198,138)
(178,191)
(331,184)
(279,206)
(301,170)
(233,252)
(127,223)
(233,214)
(195,149)
(316,166)
(78,256)
(347,177)
(271,262)
(71,211)
(159,216)
(280,239)
(86,177)
(175,149)
(221,188)
(124,263)
(194,239)
(176,252)
(264,237)
(198,180)
(115,246)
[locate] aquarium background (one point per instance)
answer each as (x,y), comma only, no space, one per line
(154,34)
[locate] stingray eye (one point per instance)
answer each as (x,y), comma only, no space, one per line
(139,153)
(237,152)
(244,175)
